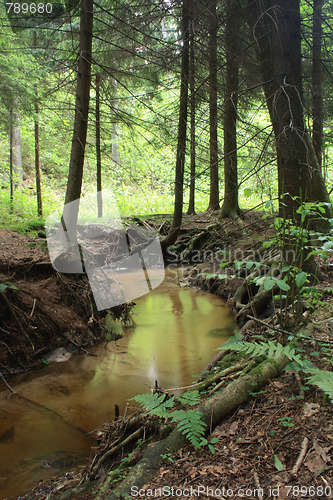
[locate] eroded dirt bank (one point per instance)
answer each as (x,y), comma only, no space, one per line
(41,309)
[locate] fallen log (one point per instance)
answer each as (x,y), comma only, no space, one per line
(213,410)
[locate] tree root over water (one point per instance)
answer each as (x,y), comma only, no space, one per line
(212,410)
(242,284)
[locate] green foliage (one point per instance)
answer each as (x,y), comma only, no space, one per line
(190,398)
(155,404)
(190,424)
(189,421)
(168,456)
(7,284)
(321,378)
(324,380)
(286,421)
(277,462)
(267,348)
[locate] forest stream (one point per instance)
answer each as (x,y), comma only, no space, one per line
(175,334)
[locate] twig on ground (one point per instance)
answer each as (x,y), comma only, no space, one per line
(271,327)
(7,385)
(33,308)
(257,483)
(9,349)
(116,448)
(301,456)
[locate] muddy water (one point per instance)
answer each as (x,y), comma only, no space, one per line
(176,331)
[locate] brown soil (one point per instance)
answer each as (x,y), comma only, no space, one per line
(287,426)
(40,309)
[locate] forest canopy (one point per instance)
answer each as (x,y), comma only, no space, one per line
(188,105)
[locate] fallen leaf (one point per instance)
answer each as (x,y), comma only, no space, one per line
(322,452)
(314,462)
(233,428)
(310,409)
(277,384)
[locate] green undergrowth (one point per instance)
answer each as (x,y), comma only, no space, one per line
(130,201)
(299,360)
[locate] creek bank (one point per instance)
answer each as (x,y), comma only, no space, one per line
(40,309)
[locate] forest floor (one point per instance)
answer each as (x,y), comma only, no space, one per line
(277,445)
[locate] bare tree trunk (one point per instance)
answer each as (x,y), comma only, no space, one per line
(115,132)
(17,162)
(182,126)
(213,144)
(191,205)
(230,207)
(75,174)
(11,174)
(37,158)
(37,161)
(98,150)
(317,99)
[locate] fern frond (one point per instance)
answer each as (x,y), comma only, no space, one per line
(268,349)
(155,404)
(252,349)
(190,398)
(320,378)
(190,425)
(324,380)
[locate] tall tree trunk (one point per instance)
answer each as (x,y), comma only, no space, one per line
(213,144)
(277,28)
(114,132)
(17,162)
(230,207)
(191,204)
(114,138)
(182,126)
(11,173)
(75,174)
(37,158)
(317,99)
(98,150)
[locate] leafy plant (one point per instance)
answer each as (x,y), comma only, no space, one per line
(299,243)
(277,462)
(286,421)
(7,284)
(321,378)
(267,348)
(189,421)
(168,456)
(155,404)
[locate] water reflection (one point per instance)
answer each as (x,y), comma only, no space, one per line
(175,335)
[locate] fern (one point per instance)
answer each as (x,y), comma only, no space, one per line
(155,404)
(190,398)
(324,380)
(189,422)
(320,378)
(191,425)
(267,349)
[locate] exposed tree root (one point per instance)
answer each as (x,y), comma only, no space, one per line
(256,305)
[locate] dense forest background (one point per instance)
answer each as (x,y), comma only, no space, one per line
(175,86)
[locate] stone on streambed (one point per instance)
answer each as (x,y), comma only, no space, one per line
(59,355)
